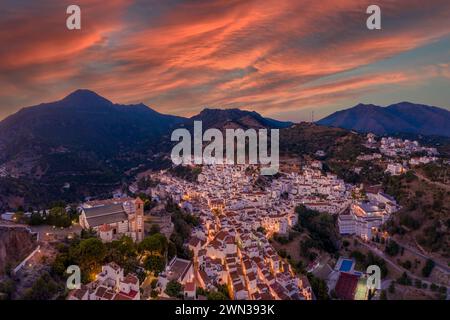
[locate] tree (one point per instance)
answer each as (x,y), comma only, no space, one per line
(36,219)
(319,287)
(392,287)
(392,248)
(92,252)
(383,295)
(19,217)
(154,244)
(44,288)
(428,268)
(174,289)
(216,295)
(418,283)
(58,217)
(404,279)
(154,263)
(407,264)
(7,287)
(121,251)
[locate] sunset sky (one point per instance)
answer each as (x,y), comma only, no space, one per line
(282,58)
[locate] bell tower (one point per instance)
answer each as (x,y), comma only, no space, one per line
(139,220)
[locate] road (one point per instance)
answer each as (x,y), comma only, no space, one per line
(439,265)
(400,269)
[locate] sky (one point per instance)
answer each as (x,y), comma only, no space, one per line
(281,58)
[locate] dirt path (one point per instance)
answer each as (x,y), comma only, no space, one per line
(438,184)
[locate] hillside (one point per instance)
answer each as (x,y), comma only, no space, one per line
(404,117)
(75,147)
(234,119)
(84,145)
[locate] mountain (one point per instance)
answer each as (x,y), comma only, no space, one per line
(82,121)
(235,118)
(85,145)
(404,117)
(75,147)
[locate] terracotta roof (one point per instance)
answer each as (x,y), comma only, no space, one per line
(189,286)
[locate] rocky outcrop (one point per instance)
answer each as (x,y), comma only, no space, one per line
(15,245)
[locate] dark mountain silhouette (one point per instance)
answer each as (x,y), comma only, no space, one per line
(404,117)
(235,118)
(86,143)
(82,121)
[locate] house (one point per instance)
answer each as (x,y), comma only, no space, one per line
(190,290)
(395,169)
(110,284)
(113,218)
(179,270)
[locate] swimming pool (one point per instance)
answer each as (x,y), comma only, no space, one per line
(346,265)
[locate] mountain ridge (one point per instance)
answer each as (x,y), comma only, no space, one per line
(402,117)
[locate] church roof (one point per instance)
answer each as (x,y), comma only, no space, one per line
(105,214)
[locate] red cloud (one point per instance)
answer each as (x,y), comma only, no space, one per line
(267,54)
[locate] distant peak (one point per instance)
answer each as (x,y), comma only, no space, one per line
(235,111)
(86,96)
(365,105)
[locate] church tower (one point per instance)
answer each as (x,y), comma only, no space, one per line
(139,219)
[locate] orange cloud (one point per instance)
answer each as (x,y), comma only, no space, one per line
(180,56)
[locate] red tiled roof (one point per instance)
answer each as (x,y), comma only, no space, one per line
(189,286)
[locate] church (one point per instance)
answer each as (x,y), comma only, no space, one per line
(114,218)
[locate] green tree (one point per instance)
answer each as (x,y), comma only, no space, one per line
(391,288)
(58,217)
(216,295)
(392,248)
(36,219)
(43,288)
(428,268)
(319,287)
(154,263)
(7,287)
(92,252)
(174,289)
(154,244)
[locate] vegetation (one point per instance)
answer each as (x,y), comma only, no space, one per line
(186,172)
(174,289)
(428,268)
(404,279)
(321,229)
(89,253)
(319,287)
(44,288)
(7,288)
(392,248)
(154,249)
(183,222)
(146,182)
(424,211)
(363,261)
